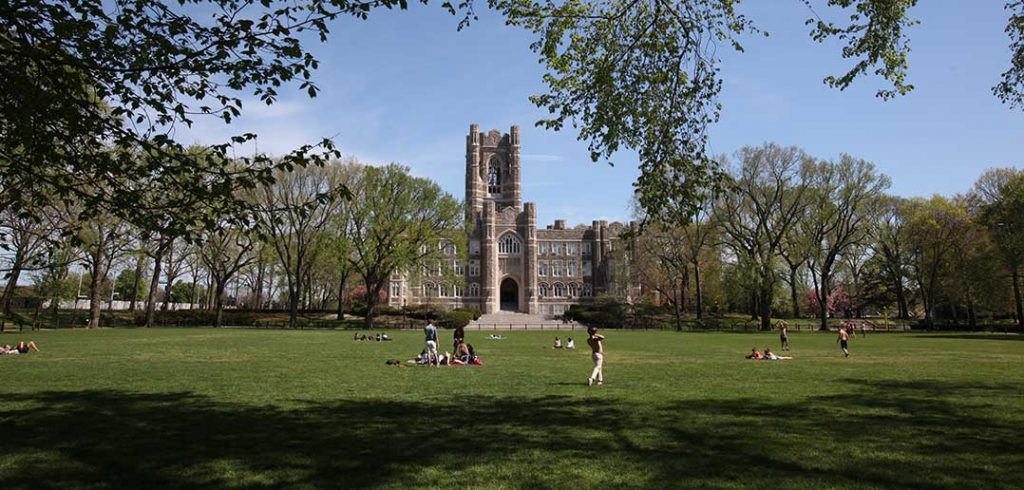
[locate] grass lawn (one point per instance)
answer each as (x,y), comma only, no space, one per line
(207,408)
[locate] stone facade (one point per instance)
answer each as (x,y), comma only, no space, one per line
(512,265)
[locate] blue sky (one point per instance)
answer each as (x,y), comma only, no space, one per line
(405,86)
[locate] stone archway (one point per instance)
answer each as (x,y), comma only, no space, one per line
(509,295)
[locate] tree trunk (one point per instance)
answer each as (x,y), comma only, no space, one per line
(341,297)
(218,300)
(12,281)
(96,282)
(753,305)
(901,300)
(1017,298)
(699,293)
(372,294)
(259,284)
(793,296)
(192,295)
(139,265)
(154,286)
(766,309)
(972,315)
(823,294)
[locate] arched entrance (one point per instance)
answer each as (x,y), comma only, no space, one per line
(509,292)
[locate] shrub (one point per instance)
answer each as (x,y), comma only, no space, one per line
(472,311)
(457,318)
(425,312)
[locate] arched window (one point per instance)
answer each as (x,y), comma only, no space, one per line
(494,176)
(456,291)
(508,244)
(543,290)
(586,291)
(429,290)
(474,289)
(572,290)
(396,289)
(559,290)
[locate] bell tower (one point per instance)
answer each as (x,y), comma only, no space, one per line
(492,170)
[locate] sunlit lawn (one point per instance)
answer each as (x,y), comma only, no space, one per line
(204,408)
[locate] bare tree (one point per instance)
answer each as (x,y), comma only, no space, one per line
(225,252)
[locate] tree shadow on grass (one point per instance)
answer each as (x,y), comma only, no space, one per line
(175,440)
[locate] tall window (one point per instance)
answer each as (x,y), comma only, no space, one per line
(456,290)
(556,248)
(430,290)
(396,289)
(474,289)
(508,244)
(459,267)
(543,248)
(542,269)
(556,268)
(587,268)
(586,291)
(543,290)
(559,290)
(494,176)
(572,290)
(572,248)
(474,247)
(474,267)
(586,249)
(571,268)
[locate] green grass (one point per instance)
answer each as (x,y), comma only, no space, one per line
(206,408)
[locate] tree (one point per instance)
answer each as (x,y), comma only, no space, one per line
(224,253)
(766,200)
(844,199)
(1001,193)
(102,240)
(26,235)
(932,226)
(891,243)
(290,214)
(397,222)
(661,262)
(127,284)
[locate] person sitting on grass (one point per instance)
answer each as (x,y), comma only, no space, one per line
(755,355)
(22,348)
(384,337)
(557,344)
(569,343)
(355,338)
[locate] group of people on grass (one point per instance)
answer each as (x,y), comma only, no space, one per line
(22,348)
(464,354)
(380,337)
(569,343)
(767,355)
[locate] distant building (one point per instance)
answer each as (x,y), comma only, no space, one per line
(512,265)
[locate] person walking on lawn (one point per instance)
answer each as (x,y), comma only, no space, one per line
(596,343)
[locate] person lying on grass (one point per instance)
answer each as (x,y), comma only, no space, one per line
(770,356)
(22,348)
(755,355)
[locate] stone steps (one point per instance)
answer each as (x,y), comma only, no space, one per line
(507,320)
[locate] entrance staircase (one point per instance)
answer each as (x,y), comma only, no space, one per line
(509,320)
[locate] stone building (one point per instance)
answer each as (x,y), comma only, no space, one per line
(512,265)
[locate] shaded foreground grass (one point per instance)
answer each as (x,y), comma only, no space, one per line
(227,408)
